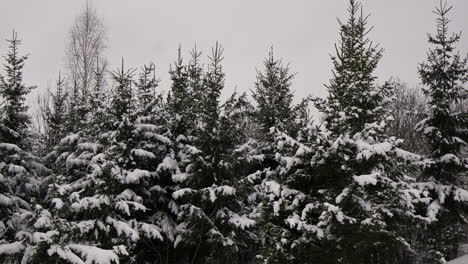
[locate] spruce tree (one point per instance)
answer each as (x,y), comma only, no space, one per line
(212,225)
(274,108)
(98,115)
(273,95)
(340,193)
(20,171)
(443,75)
(57,114)
(112,208)
(13,92)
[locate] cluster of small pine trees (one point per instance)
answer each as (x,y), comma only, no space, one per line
(131,175)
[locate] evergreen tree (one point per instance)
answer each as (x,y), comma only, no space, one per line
(77,113)
(274,105)
(340,194)
(273,95)
(443,76)
(98,115)
(213,227)
(146,88)
(185,91)
(57,114)
(20,171)
(112,207)
(13,92)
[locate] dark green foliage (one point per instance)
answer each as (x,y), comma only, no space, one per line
(139,177)
(444,75)
(13,93)
(273,95)
(56,117)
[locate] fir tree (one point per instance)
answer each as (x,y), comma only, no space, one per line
(443,76)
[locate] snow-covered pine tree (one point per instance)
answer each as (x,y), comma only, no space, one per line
(108,210)
(13,92)
(146,89)
(186,79)
(76,119)
(98,115)
(288,198)
(340,193)
(274,112)
(155,152)
(444,75)
(56,114)
(212,228)
(20,171)
(273,95)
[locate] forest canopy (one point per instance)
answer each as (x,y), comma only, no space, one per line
(114,168)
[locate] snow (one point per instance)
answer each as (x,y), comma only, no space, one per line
(461,195)
(309,207)
(10,147)
(89,146)
(450,158)
(226,190)
(273,186)
(123,228)
(295,222)
(86,226)
(75,162)
(5,201)
(124,206)
(151,231)
(12,248)
(58,203)
(39,237)
(65,254)
(433,210)
(136,175)
(406,155)
(367,179)
(44,220)
(181,138)
(95,201)
(141,153)
(147,127)
(169,164)
(366,150)
(179,193)
(342,195)
(15,169)
(179,177)
(241,221)
(277,206)
(94,255)
(70,139)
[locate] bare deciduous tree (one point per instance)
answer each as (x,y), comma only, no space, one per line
(86,46)
(408,109)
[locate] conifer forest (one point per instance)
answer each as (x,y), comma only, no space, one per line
(114,168)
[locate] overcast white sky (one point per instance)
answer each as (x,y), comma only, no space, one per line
(302,32)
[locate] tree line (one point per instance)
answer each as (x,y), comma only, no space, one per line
(124,173)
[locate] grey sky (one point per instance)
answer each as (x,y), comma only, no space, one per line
(302,32)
